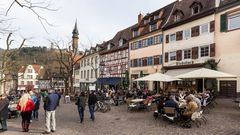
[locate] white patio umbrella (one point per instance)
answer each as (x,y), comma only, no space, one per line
(205,73)
(158,77)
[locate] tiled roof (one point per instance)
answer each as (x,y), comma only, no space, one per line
(125,34)
(185,7)
(37,68)
(164,12)
(22,69)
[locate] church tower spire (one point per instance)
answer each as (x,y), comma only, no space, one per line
(75,37)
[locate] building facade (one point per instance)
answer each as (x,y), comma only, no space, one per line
(114,59)
(89,68)
(28,76)
(227,41)
(146,47)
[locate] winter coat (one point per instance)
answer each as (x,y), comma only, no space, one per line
(29,106)
(4,108)
(81,102)
(92,99)
(51,102)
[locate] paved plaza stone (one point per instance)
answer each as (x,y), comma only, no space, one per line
(224,119)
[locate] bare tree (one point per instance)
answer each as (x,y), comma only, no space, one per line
(67,59)
(33,7)
(8,61)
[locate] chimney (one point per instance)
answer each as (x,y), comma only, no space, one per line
(217,3)
(140,17)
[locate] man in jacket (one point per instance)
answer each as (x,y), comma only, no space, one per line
(3,112)
(92,100)
(50,106)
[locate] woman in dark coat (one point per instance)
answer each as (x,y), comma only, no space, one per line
(81,103)
(3,112)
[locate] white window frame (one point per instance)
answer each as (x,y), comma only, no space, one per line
(208,25)
(170,39)
(171,54)
(120,42)
(200,51)
(183,54)
(109,46)
(153,27)
(184,35)
(237,14)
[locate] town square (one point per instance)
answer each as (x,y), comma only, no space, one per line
(159,67)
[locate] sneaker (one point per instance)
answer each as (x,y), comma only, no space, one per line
(46,132)
(53,131)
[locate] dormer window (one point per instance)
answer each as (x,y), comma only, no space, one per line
(135,33)
(177,18)
(120,42)
(195,9)
(156,17)
(153,27)
(146,21)
(178,15)
(109,46)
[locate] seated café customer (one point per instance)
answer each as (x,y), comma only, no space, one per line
(171,103)
(196,100)
(191,107)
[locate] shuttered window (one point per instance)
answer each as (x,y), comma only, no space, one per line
(179,55)
(223,22)
(195,31)
(144,61)
(212,50)
(166,57)
(179,35)
(212,26)
(167,38)
(156,60)
(194,52)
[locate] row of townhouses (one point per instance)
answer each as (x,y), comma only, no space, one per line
(175,39)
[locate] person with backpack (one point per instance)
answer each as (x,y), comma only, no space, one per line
(36,105)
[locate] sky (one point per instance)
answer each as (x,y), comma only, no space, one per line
(97,20)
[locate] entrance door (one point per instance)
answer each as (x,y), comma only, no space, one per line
(228,88)
(199,85)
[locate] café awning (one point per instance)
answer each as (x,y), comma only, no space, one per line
(158,77)
(205,73)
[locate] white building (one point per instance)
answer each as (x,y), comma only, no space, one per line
(189,39)
(28,76)
(89,68)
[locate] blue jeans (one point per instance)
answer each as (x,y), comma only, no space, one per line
(91,110)
(81,113)
(3,123)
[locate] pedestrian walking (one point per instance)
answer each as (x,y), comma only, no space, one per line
(26,106)
(81,103)
(3,112)
(36,105)
(92,100)
(50,106)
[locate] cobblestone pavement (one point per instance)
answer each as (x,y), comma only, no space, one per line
(224,119)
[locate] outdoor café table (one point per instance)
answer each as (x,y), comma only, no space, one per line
(137,100)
